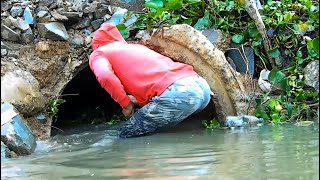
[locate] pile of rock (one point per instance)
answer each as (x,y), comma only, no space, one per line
(67,20)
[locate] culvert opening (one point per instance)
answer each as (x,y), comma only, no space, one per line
(89,107)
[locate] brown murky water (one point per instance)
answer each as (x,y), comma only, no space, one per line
(267,152)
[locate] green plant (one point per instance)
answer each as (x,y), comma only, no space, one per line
(116,119)
(212,124)
(294,102)
(54,104)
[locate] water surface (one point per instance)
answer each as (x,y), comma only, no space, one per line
(267,152)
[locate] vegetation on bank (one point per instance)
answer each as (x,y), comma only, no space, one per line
(292,27)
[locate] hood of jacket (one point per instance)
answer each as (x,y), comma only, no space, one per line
(106,34)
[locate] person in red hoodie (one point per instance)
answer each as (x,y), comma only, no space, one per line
(165,91)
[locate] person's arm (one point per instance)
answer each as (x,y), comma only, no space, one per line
(104,73)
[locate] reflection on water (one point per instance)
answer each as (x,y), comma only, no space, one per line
(280,152)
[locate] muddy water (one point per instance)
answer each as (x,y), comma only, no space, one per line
(285,152)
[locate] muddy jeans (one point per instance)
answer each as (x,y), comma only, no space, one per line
(181,99)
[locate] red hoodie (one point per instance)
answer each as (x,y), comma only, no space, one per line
(123,68)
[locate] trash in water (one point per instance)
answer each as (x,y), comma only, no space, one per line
(14,133)
(242,120)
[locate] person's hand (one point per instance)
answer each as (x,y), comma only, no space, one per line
(128,110)
(133,100)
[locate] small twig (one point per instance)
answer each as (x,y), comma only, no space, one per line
(56,128)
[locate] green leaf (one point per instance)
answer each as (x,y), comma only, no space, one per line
(269,2)
(155,4)
(256,43)
(123,30)
(315,43)
(203,22)
(238,38)
(285,85)
(253,32)
(275,76)
(274,53)
(173,4)
(288,17)
(263,114)
(289,110)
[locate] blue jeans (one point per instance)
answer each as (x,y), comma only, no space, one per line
(181,99)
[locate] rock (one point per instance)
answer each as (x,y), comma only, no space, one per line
(27,36)
(6,21)
(96,23)
(4,52)
(311,73)
(9,34)
(4,46)
(5,152)
(244,61)
(73,16)
(45,3)
(92,7)
(16,11)
(53,30)
(77,40)
(103,10)
(14,133)
(42,14)
(28,16)
(87,32)
(218,38)
(87,41)
(58,16)
(85,22)
(19,23)
(5,5)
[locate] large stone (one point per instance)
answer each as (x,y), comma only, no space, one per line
(58,16)
(311,73)
(20,87)
(19,23)
(6,5)
(92,7)
(28,15)
(187,45)
(27,37)
(46,3)
(9,34)
(96,23)
(53,30)
(85,22)
(16,11)
(99,13)
(72,16)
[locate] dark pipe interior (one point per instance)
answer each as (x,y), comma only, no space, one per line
(86,103)
(93,107)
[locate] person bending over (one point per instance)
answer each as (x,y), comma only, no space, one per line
(165,91)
